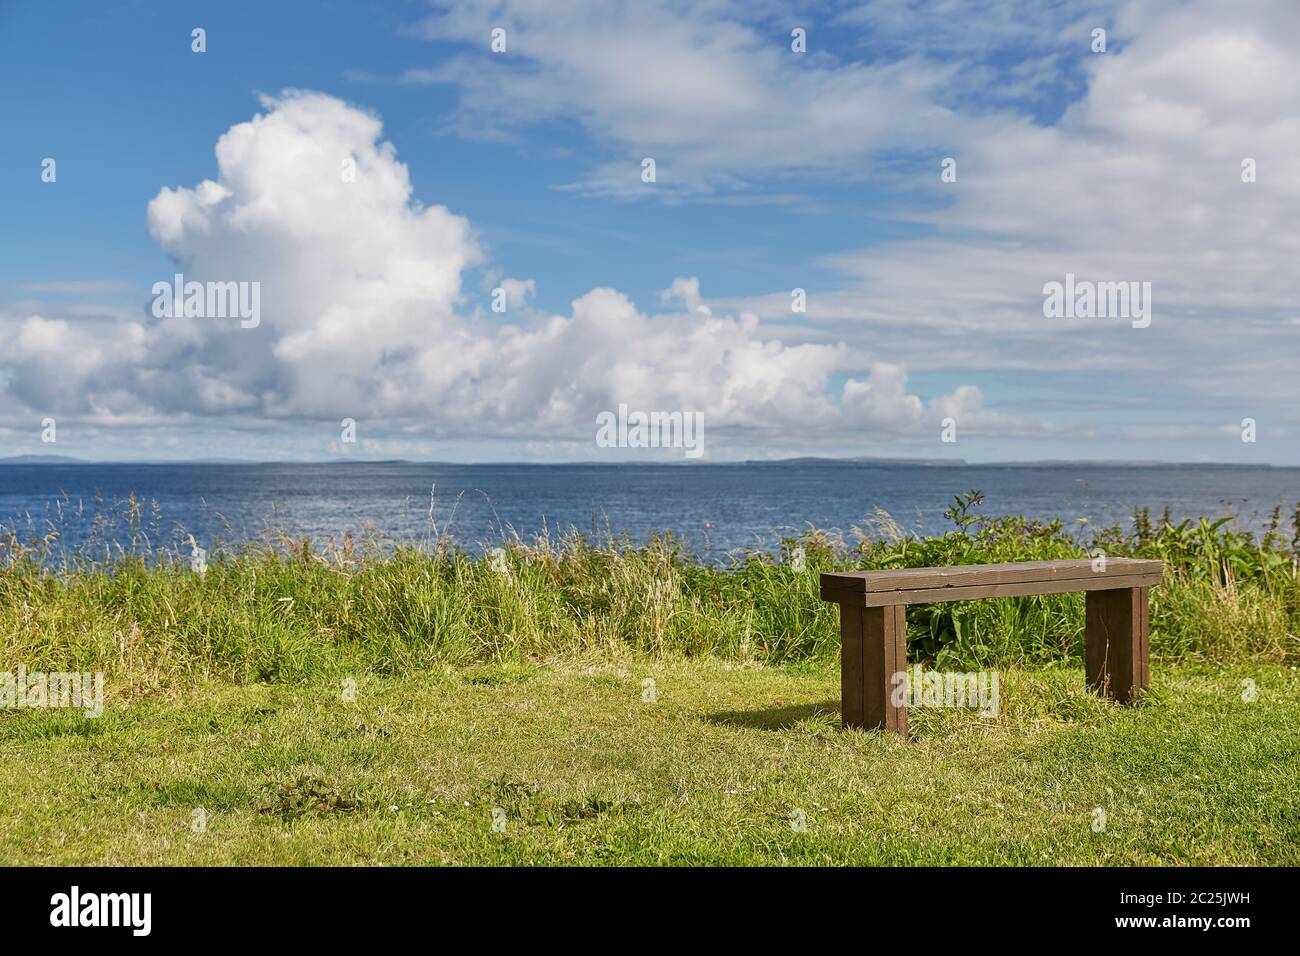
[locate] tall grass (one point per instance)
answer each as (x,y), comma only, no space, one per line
(279,609)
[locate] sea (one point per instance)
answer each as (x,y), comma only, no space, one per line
(714,509)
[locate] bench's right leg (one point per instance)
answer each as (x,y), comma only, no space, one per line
(873,648)
(1115,628)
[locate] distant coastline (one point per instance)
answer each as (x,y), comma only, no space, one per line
(800,460)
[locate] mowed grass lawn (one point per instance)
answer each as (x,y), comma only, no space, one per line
(582,770)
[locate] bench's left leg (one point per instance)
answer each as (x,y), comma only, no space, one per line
(873,648)
(1116,634)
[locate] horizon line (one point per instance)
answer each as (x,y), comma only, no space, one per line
(34,459)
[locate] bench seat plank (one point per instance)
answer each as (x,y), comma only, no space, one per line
(968,582)
(973,592)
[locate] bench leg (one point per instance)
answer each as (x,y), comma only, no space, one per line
(1116,643)
(873,648)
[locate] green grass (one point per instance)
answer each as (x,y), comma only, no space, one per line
(589,773)
(292,615)
(281,610)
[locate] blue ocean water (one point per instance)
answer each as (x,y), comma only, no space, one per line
(714,507)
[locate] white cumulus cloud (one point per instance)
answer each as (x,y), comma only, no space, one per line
(364,315)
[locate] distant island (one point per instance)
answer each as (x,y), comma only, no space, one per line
(43,460)
(855,460)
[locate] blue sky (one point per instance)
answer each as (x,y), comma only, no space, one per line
(776,170)
(132,109)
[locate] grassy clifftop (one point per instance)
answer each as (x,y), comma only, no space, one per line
(289,704)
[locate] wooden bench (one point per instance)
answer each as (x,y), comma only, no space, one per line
(873,623)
